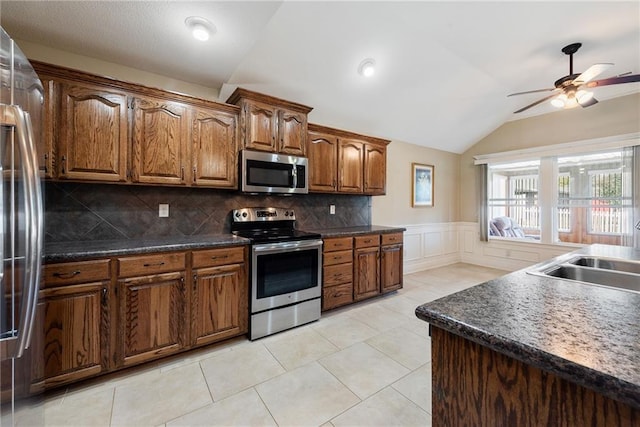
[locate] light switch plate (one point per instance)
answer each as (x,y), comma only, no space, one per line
(332,209)
(163,210)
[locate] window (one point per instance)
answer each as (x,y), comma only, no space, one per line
(513,200)
(598,206)
(578,198)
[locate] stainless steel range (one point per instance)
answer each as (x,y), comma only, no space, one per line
(286,266)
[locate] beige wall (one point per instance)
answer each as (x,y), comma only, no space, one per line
(102,68)
(395,207)
(618,116)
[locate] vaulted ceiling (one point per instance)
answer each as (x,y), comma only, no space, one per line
(444,69)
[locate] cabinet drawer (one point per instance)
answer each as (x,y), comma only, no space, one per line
(368,241)
(391,239)
(76,272)
(338,244)
(336,296)
(340,257)
(214,257)
(338,274)
(150,264)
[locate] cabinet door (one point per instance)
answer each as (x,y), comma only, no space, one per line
(151,318)
(391,268)
(219,303)
(214,148)
(73,321)
(292,132)
(366,273)
(93,133)
(323,162)
(350,158)
(160,141)
(375,168)
(260,126)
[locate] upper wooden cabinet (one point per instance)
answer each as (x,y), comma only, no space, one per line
(160,141)
(346,162)
(271,124)
(108,130)
(323,161)
(214,148)
(93,133)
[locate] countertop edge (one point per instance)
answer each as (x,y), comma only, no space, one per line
(600,382)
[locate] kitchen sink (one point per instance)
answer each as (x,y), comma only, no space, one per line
(607,264)
(608,272)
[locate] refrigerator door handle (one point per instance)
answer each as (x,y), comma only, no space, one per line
(13,115)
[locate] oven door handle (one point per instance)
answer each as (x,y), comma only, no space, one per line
(287,246)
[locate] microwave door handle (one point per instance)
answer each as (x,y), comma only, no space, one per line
(294,173)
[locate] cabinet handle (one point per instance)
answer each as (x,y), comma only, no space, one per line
(66,275)
(63,164)
(105,292)
(182,173)
(194,174)
(156,264)
(46,163)
(195,281)
(220,257)
(337,257)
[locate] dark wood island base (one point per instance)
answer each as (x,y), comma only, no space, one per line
(474,385)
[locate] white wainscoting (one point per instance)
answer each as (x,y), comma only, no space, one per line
(434,245)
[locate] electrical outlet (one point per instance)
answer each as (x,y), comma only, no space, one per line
(163,210)
(332,209)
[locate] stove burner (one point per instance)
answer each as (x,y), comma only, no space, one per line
(267,225)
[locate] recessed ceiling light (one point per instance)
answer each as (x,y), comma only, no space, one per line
(201,29)
(367,67)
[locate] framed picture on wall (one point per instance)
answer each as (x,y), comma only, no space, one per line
(421,185)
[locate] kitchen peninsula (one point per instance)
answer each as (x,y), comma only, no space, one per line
(529,350)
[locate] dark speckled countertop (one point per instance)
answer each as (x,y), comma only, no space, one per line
(587,334)
(354,231)
(76,251)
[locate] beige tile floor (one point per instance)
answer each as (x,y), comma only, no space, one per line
(364,365)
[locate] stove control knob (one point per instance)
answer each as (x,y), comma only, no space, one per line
(244,214)
(286,213)
(237,214)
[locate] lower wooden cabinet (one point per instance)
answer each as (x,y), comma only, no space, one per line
(72,342)
(337,272)
(219,298)
(366,263)
(372,267)
(102,315)
(151,317)
(391,262)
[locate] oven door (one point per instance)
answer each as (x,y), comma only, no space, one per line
(285,273)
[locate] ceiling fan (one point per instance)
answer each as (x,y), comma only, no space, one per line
(571,90)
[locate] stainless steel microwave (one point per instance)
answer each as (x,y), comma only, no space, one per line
(263,172)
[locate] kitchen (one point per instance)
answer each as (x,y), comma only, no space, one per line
(437,236)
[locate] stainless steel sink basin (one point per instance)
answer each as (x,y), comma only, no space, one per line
(608,272)
(607,264)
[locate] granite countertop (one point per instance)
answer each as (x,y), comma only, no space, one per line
(587,334)
(76,251)
(352,231)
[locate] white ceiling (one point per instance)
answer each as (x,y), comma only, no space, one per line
(444,69)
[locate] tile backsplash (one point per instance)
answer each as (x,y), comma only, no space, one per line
(77,212)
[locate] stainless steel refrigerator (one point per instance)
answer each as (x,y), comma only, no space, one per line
(21,226)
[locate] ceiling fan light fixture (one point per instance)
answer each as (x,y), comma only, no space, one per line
(201,29)
(584,96)
(559,101)
(367,67)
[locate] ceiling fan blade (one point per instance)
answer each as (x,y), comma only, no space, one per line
(532,91)
(615,80)
(540,101)
(591,72)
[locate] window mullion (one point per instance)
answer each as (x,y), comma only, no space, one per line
(548,199)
